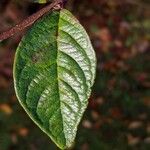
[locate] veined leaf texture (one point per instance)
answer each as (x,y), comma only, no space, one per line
(54,71)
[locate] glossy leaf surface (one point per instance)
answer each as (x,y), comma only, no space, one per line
(54,70)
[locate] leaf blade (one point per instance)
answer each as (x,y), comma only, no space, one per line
(40,1)
(58,71)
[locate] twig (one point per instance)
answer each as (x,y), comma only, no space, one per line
(29,21)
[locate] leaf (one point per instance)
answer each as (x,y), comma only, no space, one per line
(54,70)
(40,1)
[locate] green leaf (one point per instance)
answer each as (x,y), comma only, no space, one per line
(54,70)
(40,1)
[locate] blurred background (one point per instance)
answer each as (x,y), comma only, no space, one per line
(118,114)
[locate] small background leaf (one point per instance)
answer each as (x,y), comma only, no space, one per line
(40,1)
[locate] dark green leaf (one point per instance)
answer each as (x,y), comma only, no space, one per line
(54,70)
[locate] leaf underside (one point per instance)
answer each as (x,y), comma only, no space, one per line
(54,70)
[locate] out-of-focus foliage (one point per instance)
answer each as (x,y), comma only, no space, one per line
(118,115)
